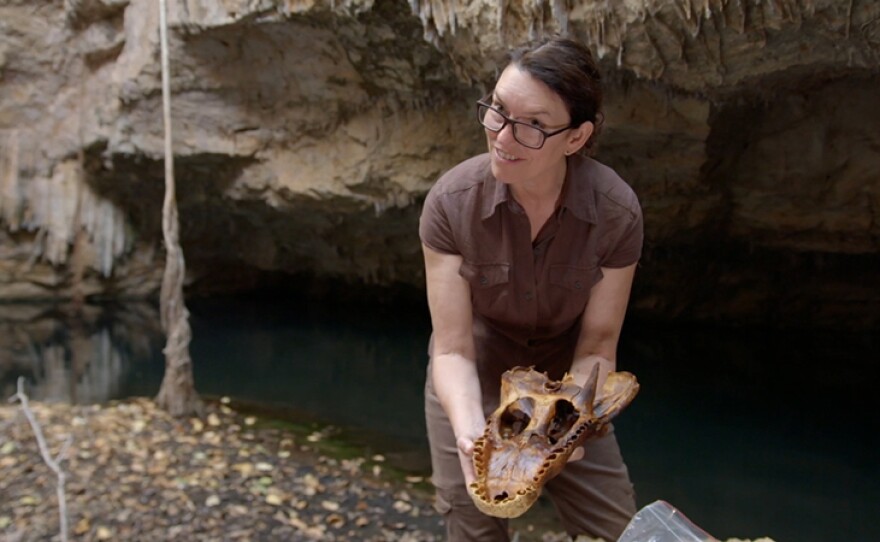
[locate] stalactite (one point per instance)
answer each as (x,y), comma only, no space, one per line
(744,18)
(720,65)
(10,188)
(686,8)
(849,12)
(809,7)
(692,21)
(721,20)
(443,13)
(561,12)
(536,25)
(676,38)
(502,8)
(52,205)
(658,73)
(107,229)
(438,17)
(55,207)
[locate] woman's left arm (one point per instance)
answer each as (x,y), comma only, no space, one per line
(601,324)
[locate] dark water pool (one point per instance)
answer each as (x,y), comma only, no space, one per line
(748,432)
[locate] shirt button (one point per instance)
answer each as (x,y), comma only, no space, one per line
(484,279)
(578,285)
(528,296)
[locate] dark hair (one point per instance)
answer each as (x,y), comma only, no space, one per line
(568,68)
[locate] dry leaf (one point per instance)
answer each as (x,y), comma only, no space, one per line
(245,469)
(402,507)
(82,526)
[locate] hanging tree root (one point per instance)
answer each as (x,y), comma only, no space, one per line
(53,463)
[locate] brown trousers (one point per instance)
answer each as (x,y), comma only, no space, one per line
(593,496)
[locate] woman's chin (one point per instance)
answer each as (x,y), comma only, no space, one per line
(501,172)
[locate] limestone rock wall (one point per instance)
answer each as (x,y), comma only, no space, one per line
(306,133)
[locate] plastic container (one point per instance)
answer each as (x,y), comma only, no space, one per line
(661,522)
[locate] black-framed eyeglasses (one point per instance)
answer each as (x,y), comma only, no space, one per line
(526,134)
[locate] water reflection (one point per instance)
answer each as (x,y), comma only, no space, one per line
(77,355)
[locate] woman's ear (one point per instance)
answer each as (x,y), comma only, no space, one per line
(578,137)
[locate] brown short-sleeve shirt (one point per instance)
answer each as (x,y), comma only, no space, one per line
(528,297)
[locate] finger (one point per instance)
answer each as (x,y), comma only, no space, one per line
(577,454)
(465,445)
(467,468)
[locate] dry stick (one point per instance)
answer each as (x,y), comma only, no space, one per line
(53,464)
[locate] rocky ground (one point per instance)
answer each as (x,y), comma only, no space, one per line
(132,473)
(135,473)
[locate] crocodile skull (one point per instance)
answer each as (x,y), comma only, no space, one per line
(530,436)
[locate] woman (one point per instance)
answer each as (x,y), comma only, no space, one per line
(530,252)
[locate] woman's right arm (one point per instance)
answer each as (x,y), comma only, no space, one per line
(454,371)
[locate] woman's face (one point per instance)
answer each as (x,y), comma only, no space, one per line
(523,98)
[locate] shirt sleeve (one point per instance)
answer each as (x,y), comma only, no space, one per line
(627,249)
(435,230)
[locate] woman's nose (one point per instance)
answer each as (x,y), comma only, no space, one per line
(506,133)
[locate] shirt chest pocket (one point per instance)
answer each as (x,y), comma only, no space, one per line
(570,288)
(489,287)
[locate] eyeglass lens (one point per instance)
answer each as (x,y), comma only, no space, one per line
(525,134)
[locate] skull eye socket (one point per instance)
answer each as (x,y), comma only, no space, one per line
(564,418)
(516,417)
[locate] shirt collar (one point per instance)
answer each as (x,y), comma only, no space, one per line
(495,192)
(577,194)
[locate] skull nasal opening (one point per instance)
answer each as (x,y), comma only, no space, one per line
(516,417)
(553,385)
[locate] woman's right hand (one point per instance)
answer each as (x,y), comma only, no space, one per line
(453,369)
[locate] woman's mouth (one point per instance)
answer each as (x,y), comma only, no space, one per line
(504,156)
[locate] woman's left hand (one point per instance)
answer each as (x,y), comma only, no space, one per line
(466,456)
